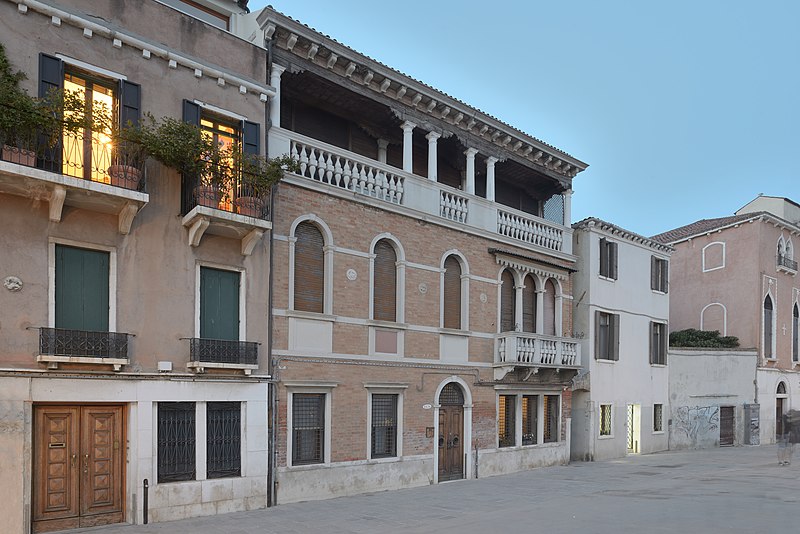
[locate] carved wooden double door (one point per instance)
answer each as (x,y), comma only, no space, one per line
(78,479)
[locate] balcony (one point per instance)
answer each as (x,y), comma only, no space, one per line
(226,207)
(222,354)
(534,351)
(371,181)
(78,172)
(784,263)
(59,345)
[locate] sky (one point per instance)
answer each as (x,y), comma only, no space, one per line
(684,110)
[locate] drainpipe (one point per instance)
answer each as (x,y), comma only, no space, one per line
(272,398)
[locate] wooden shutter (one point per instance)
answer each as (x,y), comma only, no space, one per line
(614,327)
(309,269)
(550,308)
(219,304)
(81,288)
(604,258)
(507,302)
(384,295)
(613,257)
(653,273)
(130,103)
(598,346)
(665,275)
(251,137)
(452,293)
(191,112)
(652,342)
(529,305)
(51,74)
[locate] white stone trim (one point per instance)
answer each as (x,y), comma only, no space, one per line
(467,426)
(703,254)
(400,290)
(242,295)
(321,388)
(390,389)
(771,290)
(328,249)
(724,316)
(220,111)
(100,71)
(612,433)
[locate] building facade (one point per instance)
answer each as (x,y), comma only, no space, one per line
(620,400)
(422,280)
(738,275)
(133,350)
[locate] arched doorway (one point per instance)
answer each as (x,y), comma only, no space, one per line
(451,432)
(780,408)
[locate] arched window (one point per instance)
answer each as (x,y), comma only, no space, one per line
(384,296)
(451,395)
(529,305)
(452,293)
(789,250)
(549,308)
(795,334)
(309,268)
(781,390)
(768,333)
(781,250)
(507,302)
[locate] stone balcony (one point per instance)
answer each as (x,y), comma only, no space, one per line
(533,352)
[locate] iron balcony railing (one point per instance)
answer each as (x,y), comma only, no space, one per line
(83,343)
(223,351)
(228,190)
(784,261)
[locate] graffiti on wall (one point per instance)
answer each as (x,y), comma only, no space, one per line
(696,421)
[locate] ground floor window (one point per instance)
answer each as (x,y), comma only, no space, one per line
(308,428)
(176,441)
(605,419)
(530,407)
(536,417)
(384,426)
(224,439)
(658,417)
(506,424)
(550,418)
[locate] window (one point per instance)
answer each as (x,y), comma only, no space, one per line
(549,308)
(768,328)
(224,439)
(452,293)
(308,428)
(658,343)
(659,274)
(200,12)
(176,441)
(506,424)
(82,289)
(507,302)
(309,268)
(550,418)
(608,259)
(219,304)
(384,296)
(713,256)
(384,426)
(530,405)
(605,419)
(658,417)
(529,305)
(795,334)
(606,336)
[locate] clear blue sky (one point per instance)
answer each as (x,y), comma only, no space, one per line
(684,110)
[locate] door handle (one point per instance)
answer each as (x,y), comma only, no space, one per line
(74,458)
(85,464)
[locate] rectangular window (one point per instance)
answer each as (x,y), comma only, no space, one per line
(659,274)
(82,289)
(384,426)
(308,428)
(606,334)
(530,406)
(224,439)
(506,424)
(550,418)
(219,304)
(658,343)
(605,419)
(608,259)
(176,441)
(658,417)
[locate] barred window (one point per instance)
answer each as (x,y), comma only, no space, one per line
(176,441)
(530,405)
(605,419)
(224,439)
(506,424)
(384,425)
(308,428)
(550,418)
(658,417)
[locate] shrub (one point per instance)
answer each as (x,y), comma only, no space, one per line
(701,338)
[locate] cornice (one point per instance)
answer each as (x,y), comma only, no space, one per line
(616,231)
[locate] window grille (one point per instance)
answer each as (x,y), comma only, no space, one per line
(605,419)
(658,422)
(554,209)
(308,428)
(384,426)
(451,395)
(224,439)
(550,418)
(530,406)
(506,424)
(176,441)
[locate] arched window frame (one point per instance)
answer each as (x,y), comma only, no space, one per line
(558,308)
(710,245)
(796,331)
(781,250)
(768,327)
(464,287)
(328,250)
(789,250)
(516,290)
(401,275)
(724,317)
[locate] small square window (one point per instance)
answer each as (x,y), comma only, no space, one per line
(658,417)
(605,419)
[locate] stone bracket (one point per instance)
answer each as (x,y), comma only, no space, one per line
(57,197)
(197,229)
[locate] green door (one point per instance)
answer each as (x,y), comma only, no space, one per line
(219,304)
(81,289)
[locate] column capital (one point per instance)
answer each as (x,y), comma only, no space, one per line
(470,152)
(491,160)
(277,70)
(432,136)
(383,144)
(407,126)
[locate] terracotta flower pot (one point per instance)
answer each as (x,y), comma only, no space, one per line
(125,176)
(249,206)
(207,195)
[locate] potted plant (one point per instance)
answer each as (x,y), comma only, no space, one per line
(257,176)
(20,119)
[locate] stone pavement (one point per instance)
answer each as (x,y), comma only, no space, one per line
(731,490)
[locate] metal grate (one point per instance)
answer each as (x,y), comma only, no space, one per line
(605,419)
(530,406)
(176,441)
(228,189)
(785,261)
(308,428)
(224,439)
(223,351)
(506,424)
(550,418)
(658,414)
(554,209)
(82,343)
(384,426)
(631,440)
(451,395)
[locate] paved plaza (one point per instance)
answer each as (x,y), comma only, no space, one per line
(727,490)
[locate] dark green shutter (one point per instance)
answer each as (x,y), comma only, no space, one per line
(251,141)
(130,103)
(191,112)
(81,289)
(219,304)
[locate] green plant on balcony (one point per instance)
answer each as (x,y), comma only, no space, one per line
(257,175)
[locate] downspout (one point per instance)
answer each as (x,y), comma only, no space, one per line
(272,398)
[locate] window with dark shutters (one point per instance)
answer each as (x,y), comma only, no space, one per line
(385,282)
(452,293)
(550,308)
(659,274)
(81,289)
(309,269)
(608,259)
(507,302)
(658,343)
(606,340)
(529,305)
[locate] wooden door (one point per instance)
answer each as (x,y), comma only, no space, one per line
(77,473)
(451,443)
(726,428)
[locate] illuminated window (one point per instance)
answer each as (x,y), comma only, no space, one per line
(227,136)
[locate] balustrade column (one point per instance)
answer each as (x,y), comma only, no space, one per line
(275,103)
(408,158)
(433,174)
(470,185)
(540,311)
(518,308)
(559,315)
(490,161)
(383,145)
(568,207)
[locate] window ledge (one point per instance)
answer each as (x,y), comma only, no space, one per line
(298,314)
(53,361)
(658,365)
(786,270)
(383,460)
(454,332)
(658,291)
(308,467)
(605,360)
(387,324)
(606,278)
(200,367)
(658,432)
(606,437)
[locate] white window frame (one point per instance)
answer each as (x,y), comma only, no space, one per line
(400,290)
(664,342)
(600,434)
(465,276)
(614,265)
(773,355)
(315,388)
(703,254)
(662,262)
(386,389)
(654,431)
(242,295)
(724,316)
